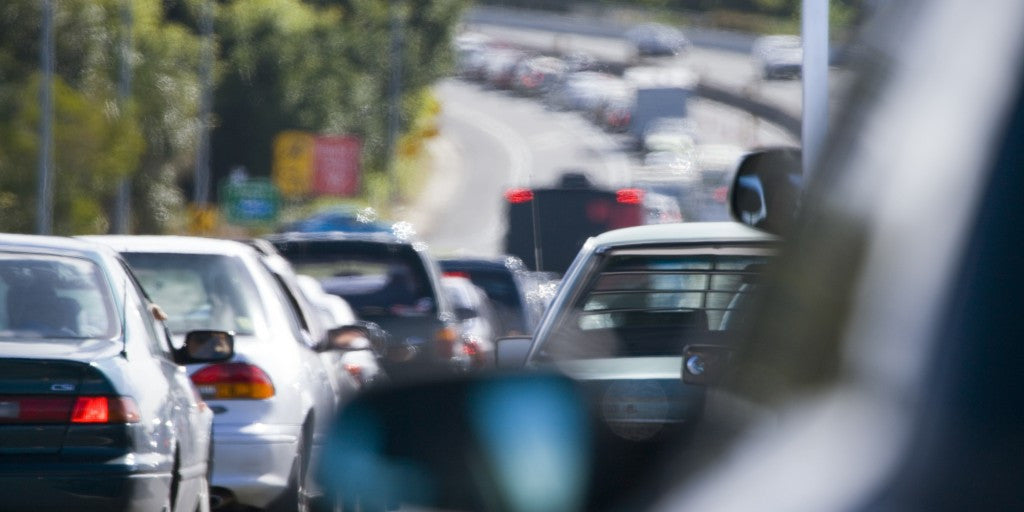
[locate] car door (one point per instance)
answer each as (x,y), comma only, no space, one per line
(189,415)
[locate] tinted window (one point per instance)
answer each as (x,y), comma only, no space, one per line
(653,305)
(375,279)
(199,291)
(54,297)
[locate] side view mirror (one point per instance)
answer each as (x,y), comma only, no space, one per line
(511,352)
(766,190)
(358,336)
(206,347)
(504,443)
(465,314)
(705,365)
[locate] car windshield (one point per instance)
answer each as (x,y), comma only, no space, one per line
(199,291)
(654,304)
(54,297)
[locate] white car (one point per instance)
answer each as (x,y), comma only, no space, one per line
(778,56)
(273,400)
(358,358)
(629,304)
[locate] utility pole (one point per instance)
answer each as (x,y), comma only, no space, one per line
(814,28)
(395,100)
(122,215)
(44,199)
(201,195)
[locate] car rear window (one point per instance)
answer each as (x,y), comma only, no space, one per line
(199,291)
(375,279)
(54,297)
(653,305)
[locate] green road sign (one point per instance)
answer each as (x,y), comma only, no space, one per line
(253,201)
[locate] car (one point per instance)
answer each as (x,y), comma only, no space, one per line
(357,357)
(778,56)
(627,307)
(545,227)
(507,284)
(391,281)
(478,322)
(95,413)
(536,75)
(655,39)
(274,399)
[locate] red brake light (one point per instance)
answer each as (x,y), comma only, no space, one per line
(355,371)
(91,409)
(519,195)
(630,196)
(35,409)
(456,273)
(230,381)
(101,409)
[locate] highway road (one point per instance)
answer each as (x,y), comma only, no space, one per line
(494,140)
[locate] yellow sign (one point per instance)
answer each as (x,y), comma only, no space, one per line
(202,221)
(293,163)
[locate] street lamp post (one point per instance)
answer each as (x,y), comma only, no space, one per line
(122,215)
(44,199)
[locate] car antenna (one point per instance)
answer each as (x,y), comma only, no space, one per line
(124,320)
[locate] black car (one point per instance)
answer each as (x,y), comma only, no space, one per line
(390,281)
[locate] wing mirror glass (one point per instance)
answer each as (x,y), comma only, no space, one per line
(206,347)
(705,365)
(511,352)
(766,190)
(357,336)
(505,443)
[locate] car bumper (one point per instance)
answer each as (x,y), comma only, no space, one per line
(254,461)
(123,485)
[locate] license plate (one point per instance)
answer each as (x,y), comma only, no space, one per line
(9,409)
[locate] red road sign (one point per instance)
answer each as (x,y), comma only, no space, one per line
(337,165)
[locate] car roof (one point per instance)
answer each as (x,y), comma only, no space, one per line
(336,236)
(496,263)
(52,245)
(685,232)
(172,244)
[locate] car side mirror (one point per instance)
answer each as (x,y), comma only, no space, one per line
(705,365)
(511,352)
(767,188)
(358,336)
(501,442)
(206,347)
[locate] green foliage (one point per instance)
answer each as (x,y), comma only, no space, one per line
(322,66)
(317,65)
(97,139)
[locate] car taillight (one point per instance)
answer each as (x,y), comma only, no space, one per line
(629,196)
(233,381)
(470,348)
(519,195)
(102,409)
(456,273)
(41,409)
(445,340)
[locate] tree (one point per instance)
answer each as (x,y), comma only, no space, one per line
(97,139)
